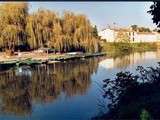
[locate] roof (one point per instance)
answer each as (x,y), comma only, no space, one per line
(118,29)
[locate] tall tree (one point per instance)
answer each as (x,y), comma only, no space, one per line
(39,28)
(155,12)
(13,23)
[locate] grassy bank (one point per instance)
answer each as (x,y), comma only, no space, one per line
(116,49)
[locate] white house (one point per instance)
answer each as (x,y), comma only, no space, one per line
(110,35)
(107,34)
(144,37)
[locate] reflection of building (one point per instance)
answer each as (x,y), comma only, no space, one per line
(124,61)
(107,63)
(110,35)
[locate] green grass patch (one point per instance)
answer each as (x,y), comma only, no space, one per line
(118,49)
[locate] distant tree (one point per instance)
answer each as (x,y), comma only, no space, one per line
(156,30)
(134,27)
(144,29)
(95,31)
(122,37)
(140,29)
(155,12)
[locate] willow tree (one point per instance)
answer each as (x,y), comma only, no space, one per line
(45,28)
(69,28)
(1,28)
(39,28)
(84,34)
(73,32)
(13,23)
(58,38)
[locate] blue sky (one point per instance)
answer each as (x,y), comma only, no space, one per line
(103,13)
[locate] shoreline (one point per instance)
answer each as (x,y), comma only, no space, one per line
(29,58)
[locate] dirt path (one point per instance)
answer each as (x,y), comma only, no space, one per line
(24,55)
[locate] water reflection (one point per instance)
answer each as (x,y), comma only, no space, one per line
(124,61)
(21,87)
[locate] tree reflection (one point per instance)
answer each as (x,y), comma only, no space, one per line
(14,92)
(20,87)
(132,58)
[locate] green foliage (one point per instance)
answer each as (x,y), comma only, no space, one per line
(144,115)
(124,47)
(129,94)
(116,49)
(141,47)
(140,29)
(155,12)
(122,37)
(133,96)
(134,27)
(95,31)
(144,29)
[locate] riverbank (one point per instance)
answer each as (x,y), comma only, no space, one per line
(32,58)
(117,49)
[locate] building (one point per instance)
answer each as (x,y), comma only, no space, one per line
(111,35)
(107,34)
(145,37)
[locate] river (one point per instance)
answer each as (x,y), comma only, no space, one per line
(63,91)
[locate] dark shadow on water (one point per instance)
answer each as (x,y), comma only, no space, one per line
(133,96)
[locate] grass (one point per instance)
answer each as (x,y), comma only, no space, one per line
(117,49)
(141,47)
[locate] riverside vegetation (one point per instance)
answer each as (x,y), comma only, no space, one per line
(121,48)
(45,28)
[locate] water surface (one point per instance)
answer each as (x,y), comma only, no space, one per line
(63,91)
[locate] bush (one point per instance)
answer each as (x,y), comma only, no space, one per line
(121,48)
(133,96)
